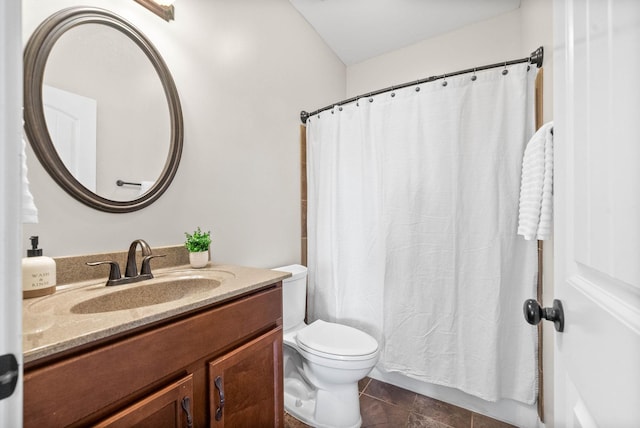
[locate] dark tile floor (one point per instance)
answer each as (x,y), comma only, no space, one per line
(387,406)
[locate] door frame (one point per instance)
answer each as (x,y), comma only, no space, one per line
(10,199)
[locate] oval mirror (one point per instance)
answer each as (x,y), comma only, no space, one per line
(101,109)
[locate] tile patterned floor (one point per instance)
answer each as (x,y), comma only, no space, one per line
(387,406)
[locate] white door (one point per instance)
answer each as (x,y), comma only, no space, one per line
(597,219)
(10,230)
(71,121)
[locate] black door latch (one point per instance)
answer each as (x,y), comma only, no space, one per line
(8,375)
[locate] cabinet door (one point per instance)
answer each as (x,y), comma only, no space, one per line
(245,385)
(172,407)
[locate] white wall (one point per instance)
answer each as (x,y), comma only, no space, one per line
(509,36)
(486,42)
(244,70)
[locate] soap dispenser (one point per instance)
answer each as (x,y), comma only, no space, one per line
(38,272)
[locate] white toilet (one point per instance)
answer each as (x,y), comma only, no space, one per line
(323,361)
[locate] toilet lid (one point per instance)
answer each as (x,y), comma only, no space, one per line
(336,339)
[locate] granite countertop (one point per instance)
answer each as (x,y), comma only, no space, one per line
(79,313)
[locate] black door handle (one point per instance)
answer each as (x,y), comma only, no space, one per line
(533,313)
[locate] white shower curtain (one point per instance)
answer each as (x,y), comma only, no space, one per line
(412,220)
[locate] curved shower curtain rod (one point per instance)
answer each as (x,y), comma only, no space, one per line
(536,58)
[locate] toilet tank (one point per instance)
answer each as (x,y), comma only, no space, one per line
(294,296)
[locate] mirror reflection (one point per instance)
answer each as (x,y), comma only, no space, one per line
(101,107)
(106,111)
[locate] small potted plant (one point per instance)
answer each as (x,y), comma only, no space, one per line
(198,246)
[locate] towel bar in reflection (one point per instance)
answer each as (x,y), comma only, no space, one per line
(122,183)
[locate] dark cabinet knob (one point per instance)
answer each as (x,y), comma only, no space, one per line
(534,313)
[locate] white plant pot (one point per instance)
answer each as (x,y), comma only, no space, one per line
(199,259)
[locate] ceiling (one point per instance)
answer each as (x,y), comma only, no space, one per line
(360,29)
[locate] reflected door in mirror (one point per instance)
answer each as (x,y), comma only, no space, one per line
(71,120)
(133,125)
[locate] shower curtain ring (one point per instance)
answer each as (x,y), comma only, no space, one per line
(418,85)
(505,71)
(393,94)
(370,97)
(474,77)
(444,82)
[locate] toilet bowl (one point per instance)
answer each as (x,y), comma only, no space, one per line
(322,361)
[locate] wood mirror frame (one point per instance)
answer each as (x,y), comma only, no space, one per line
(36,54)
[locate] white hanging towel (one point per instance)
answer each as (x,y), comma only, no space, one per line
(29,210)
(145,186)
(536,186)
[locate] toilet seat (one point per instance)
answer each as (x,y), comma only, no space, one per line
(336,342)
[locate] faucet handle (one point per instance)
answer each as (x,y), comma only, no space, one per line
(145,269)
(114,272)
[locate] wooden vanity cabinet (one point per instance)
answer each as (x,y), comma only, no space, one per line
(171,407)
(147,379)
(244,385)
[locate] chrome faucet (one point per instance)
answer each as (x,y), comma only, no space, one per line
(131,270)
